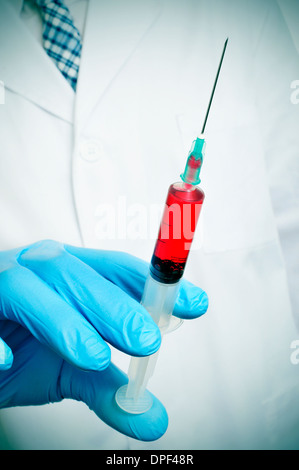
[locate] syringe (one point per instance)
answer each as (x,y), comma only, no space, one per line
(182,208)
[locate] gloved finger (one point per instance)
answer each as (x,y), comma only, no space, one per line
(97,390)
(129,273)
(117,317)
(6,356)
(29,301)
(192,302)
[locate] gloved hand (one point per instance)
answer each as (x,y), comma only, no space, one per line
(60,307)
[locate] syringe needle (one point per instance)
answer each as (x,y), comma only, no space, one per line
(214,87)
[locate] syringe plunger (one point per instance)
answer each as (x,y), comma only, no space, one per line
(158,299)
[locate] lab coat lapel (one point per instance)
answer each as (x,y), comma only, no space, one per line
(26,69)
(103,55)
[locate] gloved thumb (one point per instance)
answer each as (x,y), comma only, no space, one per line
(6,356)
(97,389)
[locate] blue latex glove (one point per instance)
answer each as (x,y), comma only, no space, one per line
(60,306)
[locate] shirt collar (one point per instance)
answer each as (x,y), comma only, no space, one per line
(18,5)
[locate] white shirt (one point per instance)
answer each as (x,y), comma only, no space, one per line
(29,13)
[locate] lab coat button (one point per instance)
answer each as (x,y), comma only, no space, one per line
(91,150)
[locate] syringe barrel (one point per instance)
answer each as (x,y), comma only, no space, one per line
(182,208)
(180,216)
(159,299)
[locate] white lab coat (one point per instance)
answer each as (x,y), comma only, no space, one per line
(146,73)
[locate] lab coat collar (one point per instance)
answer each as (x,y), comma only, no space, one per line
(26,68)
(110,39)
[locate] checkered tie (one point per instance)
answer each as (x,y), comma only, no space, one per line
(61,39)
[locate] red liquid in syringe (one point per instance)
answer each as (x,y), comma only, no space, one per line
(182,209)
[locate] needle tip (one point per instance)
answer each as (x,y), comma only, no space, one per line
(215,83)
